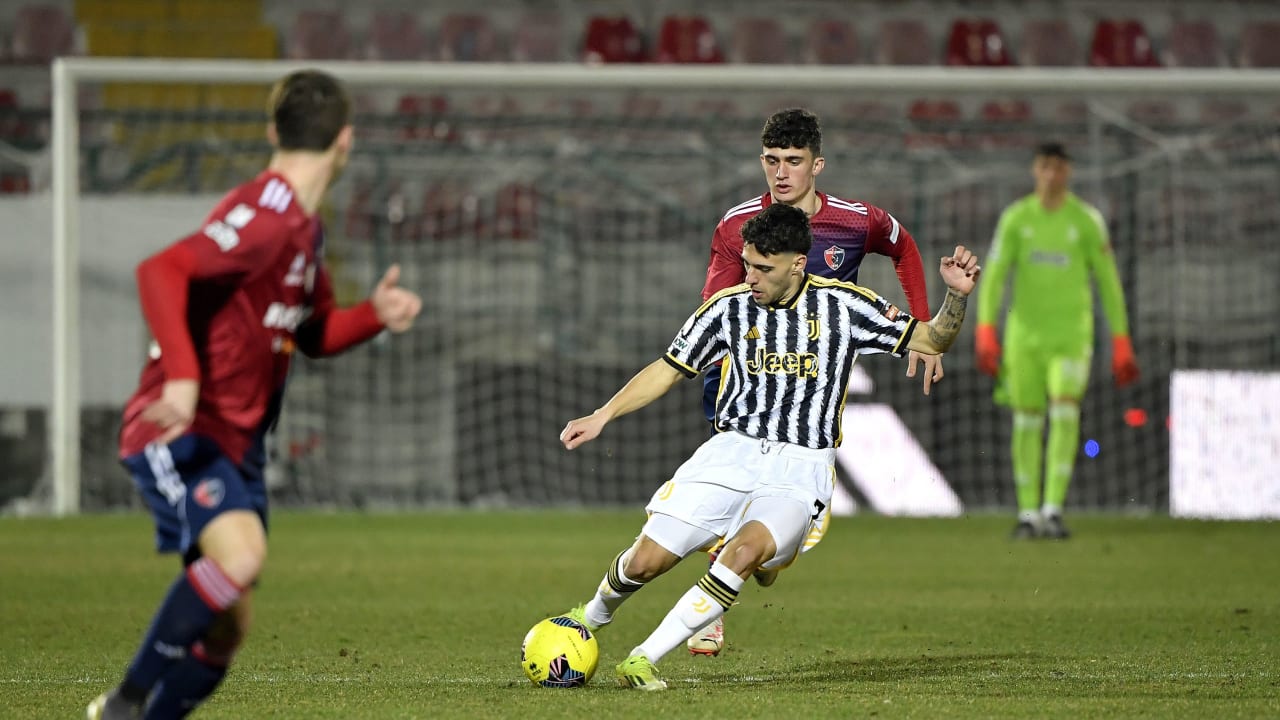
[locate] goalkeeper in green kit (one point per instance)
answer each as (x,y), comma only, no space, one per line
(1052,242)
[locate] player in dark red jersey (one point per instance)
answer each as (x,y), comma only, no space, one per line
(844,232)
(227,307)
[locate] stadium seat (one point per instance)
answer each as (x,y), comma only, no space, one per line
(1258,46)
(515,212)
(1005,111)
(832,42)
(41,33)
(423,117)
(759,41)
(612,40)
(934,111)
(539,37)
(905,42)
(1153,112)
(319,35)
(687,39)
(1194,43)
(1217,111)
(466,37)
(14,182)
(1121,43)
(1048,43)
(397,36)
(977,42)
(449,210)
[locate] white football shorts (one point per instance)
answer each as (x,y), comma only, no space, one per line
(733,479)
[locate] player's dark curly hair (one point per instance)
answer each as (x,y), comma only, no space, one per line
(792,128)
(778,228)
(309,108)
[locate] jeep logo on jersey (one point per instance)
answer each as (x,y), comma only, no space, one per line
(834,256)
(297,271)
(285,317)
(798,364)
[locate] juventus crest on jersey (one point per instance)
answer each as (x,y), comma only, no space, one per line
(788,367)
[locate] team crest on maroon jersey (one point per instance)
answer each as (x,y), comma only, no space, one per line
(209,493)
(834,256)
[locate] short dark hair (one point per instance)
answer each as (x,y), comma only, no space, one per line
(792,128)
(308,108)
(1052,149)
(779,228)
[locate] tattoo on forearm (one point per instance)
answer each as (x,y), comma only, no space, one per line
(945,326)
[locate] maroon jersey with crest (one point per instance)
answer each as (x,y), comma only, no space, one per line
(844,231)
(228,306)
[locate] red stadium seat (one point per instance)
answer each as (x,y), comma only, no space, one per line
(15,182)
(539,37)
(1121,43)
(319,35)
(1153,112)
(1048,43)
(1194,43)
(934,111)
(977,42)
(759,40)
(449,210)
(42,33)
(397,36)
(1218,111)
(1005,111)
(515,215)
(466,37)
(1258,46)
(424,117)
(687,39)
(905,42)
(832,42)
(612,40)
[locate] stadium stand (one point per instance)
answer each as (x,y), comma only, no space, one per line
(1048,43)
(539,37)
(397,35)
(905,42)
(832,41)
(687,39)
(1122,43)
(1194,43)
(977,42)
(612,40)
(469,37)
(41,33)
(759,40)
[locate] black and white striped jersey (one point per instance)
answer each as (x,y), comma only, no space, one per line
(787,367)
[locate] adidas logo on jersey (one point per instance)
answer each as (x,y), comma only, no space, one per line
(752,334)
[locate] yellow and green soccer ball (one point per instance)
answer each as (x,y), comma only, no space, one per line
(559,652)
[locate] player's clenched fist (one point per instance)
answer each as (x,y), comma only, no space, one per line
(395,306)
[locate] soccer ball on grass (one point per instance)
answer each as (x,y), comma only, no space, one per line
(559,652)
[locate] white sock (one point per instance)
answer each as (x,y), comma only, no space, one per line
(1030,516)
(1051,511)
(614,590)
(702,603)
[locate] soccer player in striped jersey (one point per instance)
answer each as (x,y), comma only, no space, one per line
(844,232)
(763,482)
(1053,242)
(227,307)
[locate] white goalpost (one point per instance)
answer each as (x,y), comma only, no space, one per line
(512,340)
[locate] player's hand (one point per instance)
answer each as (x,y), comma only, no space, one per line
(1124,366)
(932,368)
(395,306)
(960,270)
(583,430)
(987,350)
(175,409)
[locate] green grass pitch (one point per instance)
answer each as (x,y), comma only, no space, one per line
(421,616)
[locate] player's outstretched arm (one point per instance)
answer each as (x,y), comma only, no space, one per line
(646,386)
(960,272)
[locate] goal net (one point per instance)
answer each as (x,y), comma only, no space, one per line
(556,221)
